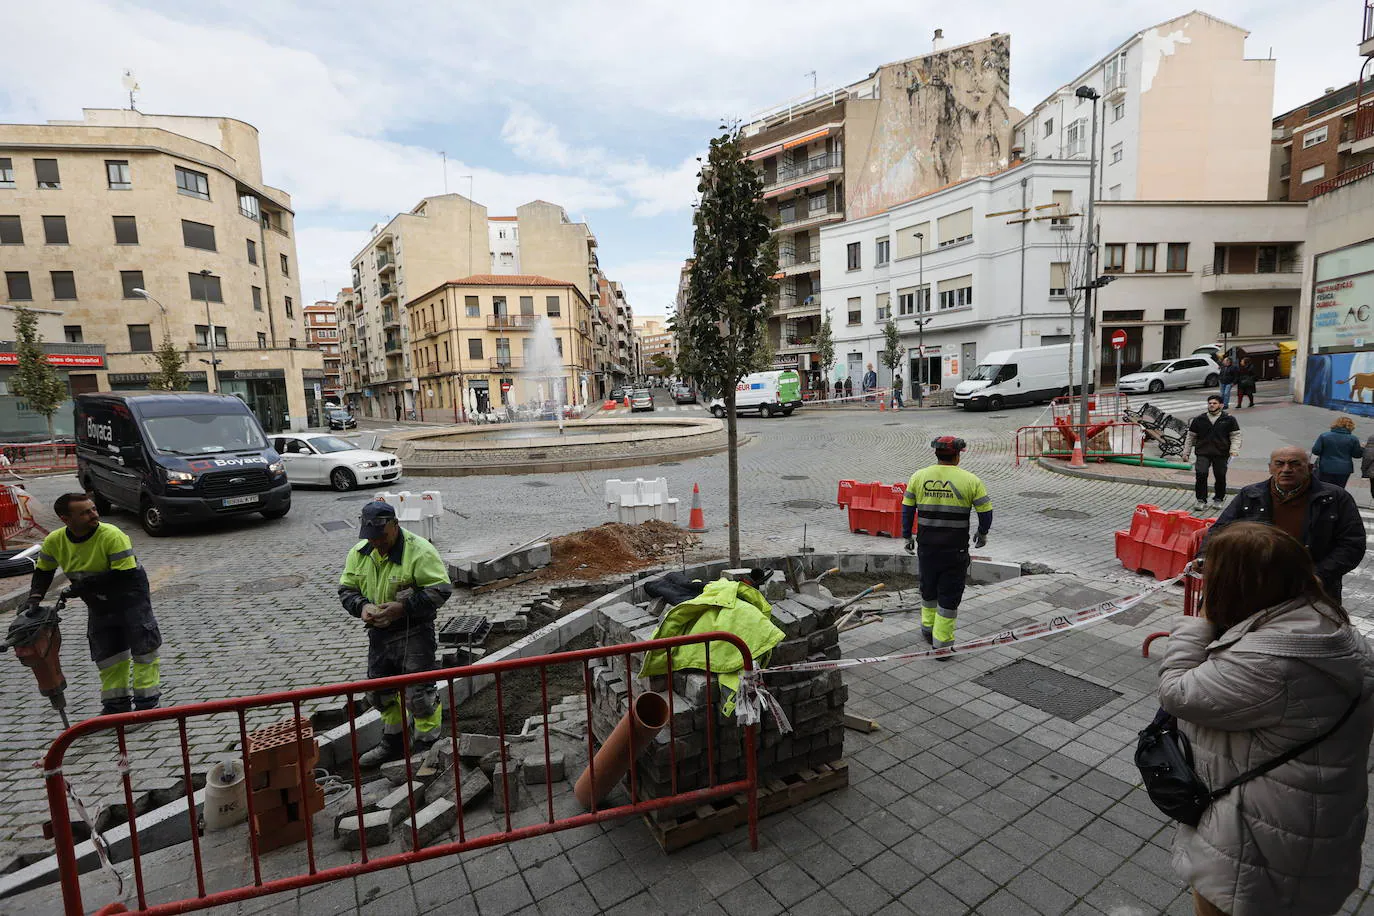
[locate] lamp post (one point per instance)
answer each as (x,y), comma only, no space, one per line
(921,298)
(160,307)
(205,276)
(1091,94)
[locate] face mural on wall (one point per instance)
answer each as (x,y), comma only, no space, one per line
(1341,381)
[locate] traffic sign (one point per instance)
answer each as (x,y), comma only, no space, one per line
(505,386)
(1118,340)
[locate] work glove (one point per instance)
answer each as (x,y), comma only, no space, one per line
(910,545)
(980,539)
(370,614)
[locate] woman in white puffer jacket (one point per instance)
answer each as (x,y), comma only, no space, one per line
(1272,663)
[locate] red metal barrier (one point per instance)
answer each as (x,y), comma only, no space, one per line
(1105,440)
(240,707)
(1106,407)
(38,458)
(1192,607)
(16,516)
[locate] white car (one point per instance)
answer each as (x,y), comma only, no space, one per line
(1187,372)
(317,458)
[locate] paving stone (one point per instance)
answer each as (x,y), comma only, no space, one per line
(503,897)
(376,830)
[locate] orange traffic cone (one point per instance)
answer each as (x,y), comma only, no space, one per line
(1076,459)
(696,522)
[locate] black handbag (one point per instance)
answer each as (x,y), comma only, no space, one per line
(1165,760)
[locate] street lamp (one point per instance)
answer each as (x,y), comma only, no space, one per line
(922,300)
(205,276)
(160,307)
(1091,94)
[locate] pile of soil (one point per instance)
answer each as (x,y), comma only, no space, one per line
(847,585)
(522,695)
(615,548)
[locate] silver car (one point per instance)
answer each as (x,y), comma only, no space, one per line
(324,460)
(1188,372)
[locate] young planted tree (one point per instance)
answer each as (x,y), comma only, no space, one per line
(168,361)
(825,347)
(35,380)
(891,357)
(1071,247)
(664,364)
(722,332)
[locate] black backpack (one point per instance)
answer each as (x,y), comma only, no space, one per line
(1165,760)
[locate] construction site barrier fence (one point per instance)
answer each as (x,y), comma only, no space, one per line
(289,749)
(37,457)
(1105,439)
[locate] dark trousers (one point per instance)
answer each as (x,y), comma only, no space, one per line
(1217,463)
(399,649)
(1337,479)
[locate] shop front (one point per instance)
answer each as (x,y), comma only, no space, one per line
(75,365)
(314,380)
(139,381)
(264,391)
(1340,346)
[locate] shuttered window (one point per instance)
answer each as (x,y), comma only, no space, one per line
(1059,278)
(955,227)
(956,292)
(908,245)
(1063,206)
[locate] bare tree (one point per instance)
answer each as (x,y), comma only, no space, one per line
(1071,250)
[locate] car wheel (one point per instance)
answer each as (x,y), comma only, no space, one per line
(150,517)
(787,411)
(342,479)
(766,410)
(1156,386)
(275,513)
(994,403)
(718,412)
(1212,381)
(102,505)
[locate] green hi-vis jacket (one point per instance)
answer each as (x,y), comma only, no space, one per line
(723,605)
(413,569)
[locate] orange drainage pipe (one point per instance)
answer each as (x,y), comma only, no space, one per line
(630,738)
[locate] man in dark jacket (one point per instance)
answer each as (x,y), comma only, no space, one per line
(1215,435)
(1323,517)
(1227,377)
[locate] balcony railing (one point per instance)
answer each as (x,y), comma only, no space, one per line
(799,170)
(203,347)
(430,369)
(1283,267)
(509,322)
(390,318)
(1349,176)
(794,220)
(388,291)
(392,345)
(385,261)
(503,362)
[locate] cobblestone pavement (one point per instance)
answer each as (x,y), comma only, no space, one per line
(250,607)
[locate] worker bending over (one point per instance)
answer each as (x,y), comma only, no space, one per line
(939,499)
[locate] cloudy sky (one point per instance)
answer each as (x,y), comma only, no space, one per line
(598,105)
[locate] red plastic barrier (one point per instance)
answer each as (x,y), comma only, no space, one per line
(876,508)
(844,493)
(1160,542)
(861,510)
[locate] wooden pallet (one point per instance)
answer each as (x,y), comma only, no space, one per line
(725,814)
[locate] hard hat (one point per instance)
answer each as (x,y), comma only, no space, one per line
(948,445)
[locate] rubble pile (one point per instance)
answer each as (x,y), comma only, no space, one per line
(615,548)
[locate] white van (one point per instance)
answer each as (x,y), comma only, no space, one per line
(769,393)
(1026,376)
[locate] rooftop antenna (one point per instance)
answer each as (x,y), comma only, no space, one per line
(130,86)
(812,74)
(444,156)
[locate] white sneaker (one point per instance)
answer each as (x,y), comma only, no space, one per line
(1200,506)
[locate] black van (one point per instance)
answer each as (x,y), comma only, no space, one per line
(177,457)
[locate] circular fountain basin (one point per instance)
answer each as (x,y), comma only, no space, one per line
(530,448)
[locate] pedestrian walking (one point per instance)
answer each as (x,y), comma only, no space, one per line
(395,581)
(121,631)
(939,499)
(1336,450)
(1227,378)
(1216,438)
(848,387)
(1245,383)
(1321,516)
(1367,463)
(870,379)
(897,400)
(1273,665)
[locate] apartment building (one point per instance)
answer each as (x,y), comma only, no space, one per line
(1184,115)
(908,128)
(132,227)
(322,333)
(493,340)
(655,339)
(351,344)
(1330,136)
(984,265)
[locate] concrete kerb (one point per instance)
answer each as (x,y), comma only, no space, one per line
(1054,467)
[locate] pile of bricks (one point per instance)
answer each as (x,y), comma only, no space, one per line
(280,808)
(812,701)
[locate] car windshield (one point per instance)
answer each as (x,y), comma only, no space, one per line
(1154,367)
(985,373)
(328,444)
(642,393)
(337,412)
(204,434)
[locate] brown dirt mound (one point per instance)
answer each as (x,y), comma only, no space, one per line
(615,548)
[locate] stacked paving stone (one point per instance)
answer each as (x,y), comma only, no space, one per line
(812,701)
(280,808)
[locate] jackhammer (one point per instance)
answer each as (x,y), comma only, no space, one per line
(37,643)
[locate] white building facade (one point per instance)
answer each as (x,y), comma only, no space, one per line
(988,263)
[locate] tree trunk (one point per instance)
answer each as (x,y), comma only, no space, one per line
(732,443)
(52,439)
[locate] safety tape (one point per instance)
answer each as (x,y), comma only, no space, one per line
(753,697)
(102,850)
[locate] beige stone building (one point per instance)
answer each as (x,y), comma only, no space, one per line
(93,210)
(655,339)
(490,340)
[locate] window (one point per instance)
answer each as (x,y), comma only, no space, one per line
(72,334)
(221,336)
(1316,173)
(1175,314)
(1114,192)
(884,307)
(63,284)
(140,338)
(250,207)
(853,259)
(1178,257)
(285,266)
(1049,126)
(205,288)
(558,342)
(956,293)
(1283,320)
(1117,153)
(471,307)
(197,235)
(17,282)
(1314,137)
(291,342)
(1230,320)
(252,251)
(1173,341)
(55,230)
(1145,257)
(6,172)
(290,308)
(117,174)
(855,310)
(11,231)
(1076,139)
(125,230)
(257,299)
(954,228)
(912,300)
(912,241)
(193,184)
(262,341)
(1114,258)
(552,308)
(1118,111)
(1063,208)
(131,280)
(474,348)
(883,252)
(526,305)
(1059,279)
(46,172)
(816,204)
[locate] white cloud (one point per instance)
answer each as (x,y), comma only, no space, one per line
(650,283)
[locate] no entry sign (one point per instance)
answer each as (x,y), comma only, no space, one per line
(1118,340)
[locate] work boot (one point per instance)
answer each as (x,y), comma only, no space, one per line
(390,748)
(118,705)
(928,635)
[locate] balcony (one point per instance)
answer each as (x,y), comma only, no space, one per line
(429,369)
(792,221)
(385,263)
(388,292)
(813,171)
(504,362)
(1114,87)
(1287,276)
(794,307)
(390,318)
(392,346)
(795,345)
(511,322)
(204,347)
(425,329)
(1359,137)
(1349,176)
(790,263)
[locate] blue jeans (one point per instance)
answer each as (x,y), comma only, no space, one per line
(1226,393)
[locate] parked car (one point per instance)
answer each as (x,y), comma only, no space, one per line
(770,393)
(340,418)
(683,394)
(324,460)
(618,393)
(641,399)
(1188,372)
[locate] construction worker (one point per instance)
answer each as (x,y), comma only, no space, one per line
(939,498)
(395,581)
(121,631)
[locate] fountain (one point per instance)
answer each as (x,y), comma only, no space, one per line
(544,366)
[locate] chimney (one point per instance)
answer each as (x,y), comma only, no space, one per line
(938,42)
